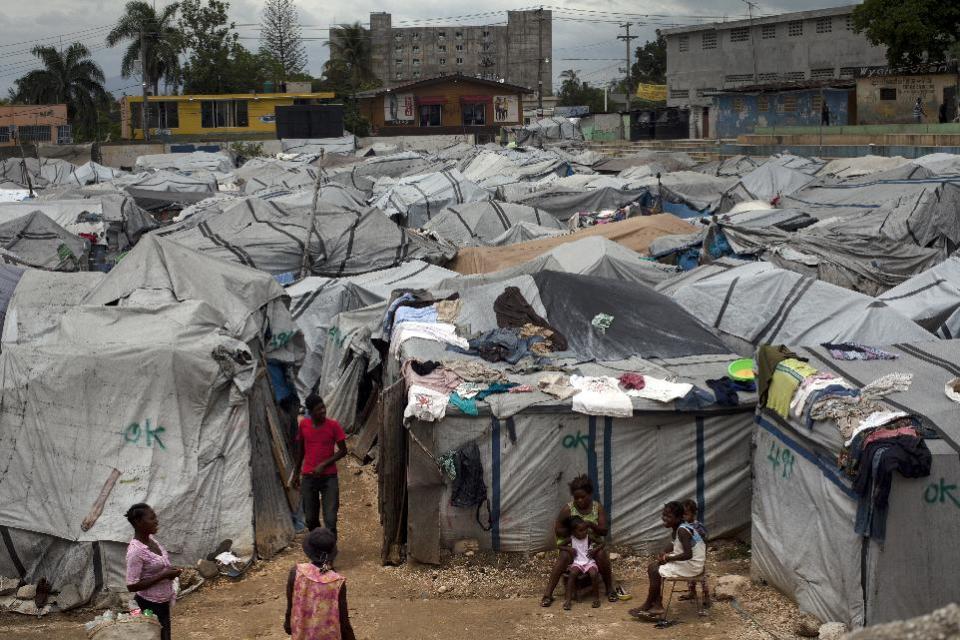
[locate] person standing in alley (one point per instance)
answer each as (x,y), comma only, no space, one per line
(150,575)
(321,442)
(918,112)
(825,114)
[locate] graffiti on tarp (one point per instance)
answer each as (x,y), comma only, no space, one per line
(145,434)
(571,441)
(781,459)
(941,493)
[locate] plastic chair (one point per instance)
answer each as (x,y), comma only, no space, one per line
(665,619)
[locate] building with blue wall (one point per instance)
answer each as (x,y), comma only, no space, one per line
(741,111)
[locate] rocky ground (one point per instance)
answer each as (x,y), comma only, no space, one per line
(466,598)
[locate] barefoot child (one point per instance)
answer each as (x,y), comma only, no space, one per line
(316,594)
(584,561)
(690,512)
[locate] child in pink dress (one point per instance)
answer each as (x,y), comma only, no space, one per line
(316,594)
(584,561)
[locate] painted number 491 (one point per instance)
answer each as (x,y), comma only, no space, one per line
(781,457)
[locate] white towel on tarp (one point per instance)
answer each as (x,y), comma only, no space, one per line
(600,396)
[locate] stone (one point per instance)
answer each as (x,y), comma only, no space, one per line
(8,586)
(614,556)
(442,589)
(730,587)
(68,598)
(469,554)
(208,568)
(832,631)
(540,555)
(808,626)
(460,547)
(109,600)
(27,592)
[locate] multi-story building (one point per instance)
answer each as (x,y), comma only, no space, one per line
(34,123)
(776,50)
(517,53)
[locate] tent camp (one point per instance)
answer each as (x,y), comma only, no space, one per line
(804,508)
(263,235)
(186,162)
(483,223)
(363,175)
(563,202)
(548,130)
(416,199)
(634,233)
(931,299)
(150,390)
(532,444)
(757,303)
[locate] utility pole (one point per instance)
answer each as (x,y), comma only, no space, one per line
(540,62)
(626,40)
(143,78)
(753,39)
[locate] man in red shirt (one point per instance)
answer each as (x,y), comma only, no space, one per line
(320,443)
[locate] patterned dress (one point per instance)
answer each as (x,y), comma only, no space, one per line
(315,612)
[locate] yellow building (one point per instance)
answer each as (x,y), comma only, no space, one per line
(228,115)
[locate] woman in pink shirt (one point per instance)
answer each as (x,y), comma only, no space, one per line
(149,573)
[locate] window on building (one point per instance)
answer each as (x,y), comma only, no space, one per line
(459,60)
(709,40)
(399,75)
(768,77)
(824,25)
(848,72)
(215,114)
(679,93)
(886,93)
(416,62)
(416,49)
(738,105)
(848,23)
(684,42)
(64,134)
(443,62)
(740,77)
(795,28)
(768,32)
(442,48)
(441,35)
(474,115)
(794,76)
(459,35)
(160,115)
(789,104)
(763,103)
(416,36)
(486,34)
(740,34)
(4,134)
(430,115)
(416,73)
(398,62)
(34,133)
(821,74)
(459,47)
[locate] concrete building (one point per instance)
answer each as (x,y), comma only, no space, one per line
(31,123)
(887,94)
(516,53)
(815,45)
(450,105)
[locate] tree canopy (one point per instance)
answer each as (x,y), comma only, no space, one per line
(280,39)
(161,42)
(912,30)
(574,92)
(651,62)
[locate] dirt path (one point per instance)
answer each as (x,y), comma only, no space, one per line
(466,599)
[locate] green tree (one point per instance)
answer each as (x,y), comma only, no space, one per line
(70,78)
(280,39)
(350,61)
(912,30)
(651,62)
(574,92)
(209,41)
(161,42)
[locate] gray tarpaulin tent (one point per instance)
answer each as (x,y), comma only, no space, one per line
(364,175)
(757,303)
(563,202)
(416,199)
(524,232)
(315,301)
(931,299)
(169,406)
(311,146)
(548,130)
(506,165)
(195,161)
(732,167)
(482,223)
(532,444)
(34,240)
(260,234)
(766,183)
(804,508)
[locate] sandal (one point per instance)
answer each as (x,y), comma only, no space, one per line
(613,597)
(546,601)
(596,604)
(567,606)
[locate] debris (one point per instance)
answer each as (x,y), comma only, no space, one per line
(729,587)
(68,598)
(442,589)
(808,626)
(832,631)
(602,322)
(27,592)
(8,586)
(461,547)
(614,557)
(208,568)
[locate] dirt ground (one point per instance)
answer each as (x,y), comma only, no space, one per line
(466,598)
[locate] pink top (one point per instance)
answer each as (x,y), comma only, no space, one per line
(315,610)
(144,563)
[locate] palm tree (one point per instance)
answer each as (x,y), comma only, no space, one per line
(70,77)
(350,50)
(162,42)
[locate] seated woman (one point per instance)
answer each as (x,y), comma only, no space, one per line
(684,560)
(585,507)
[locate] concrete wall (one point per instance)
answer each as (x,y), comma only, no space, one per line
(871,109)
(509,52)
(125,155)
(602,127)
(731,63)
(739,114)
(417,143)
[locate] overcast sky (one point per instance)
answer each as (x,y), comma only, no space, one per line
(590,47)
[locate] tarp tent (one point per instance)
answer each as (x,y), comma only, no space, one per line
(732,167)
(482,223)
(634,233)
(416,199)
(804,508)
(531,444)
(931,299)
(35,240)
(548,130)
(314,146)
(757,303)
(167,407)
(767,182)
(185,162)
(362,176)
(260,234)
(563,202)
